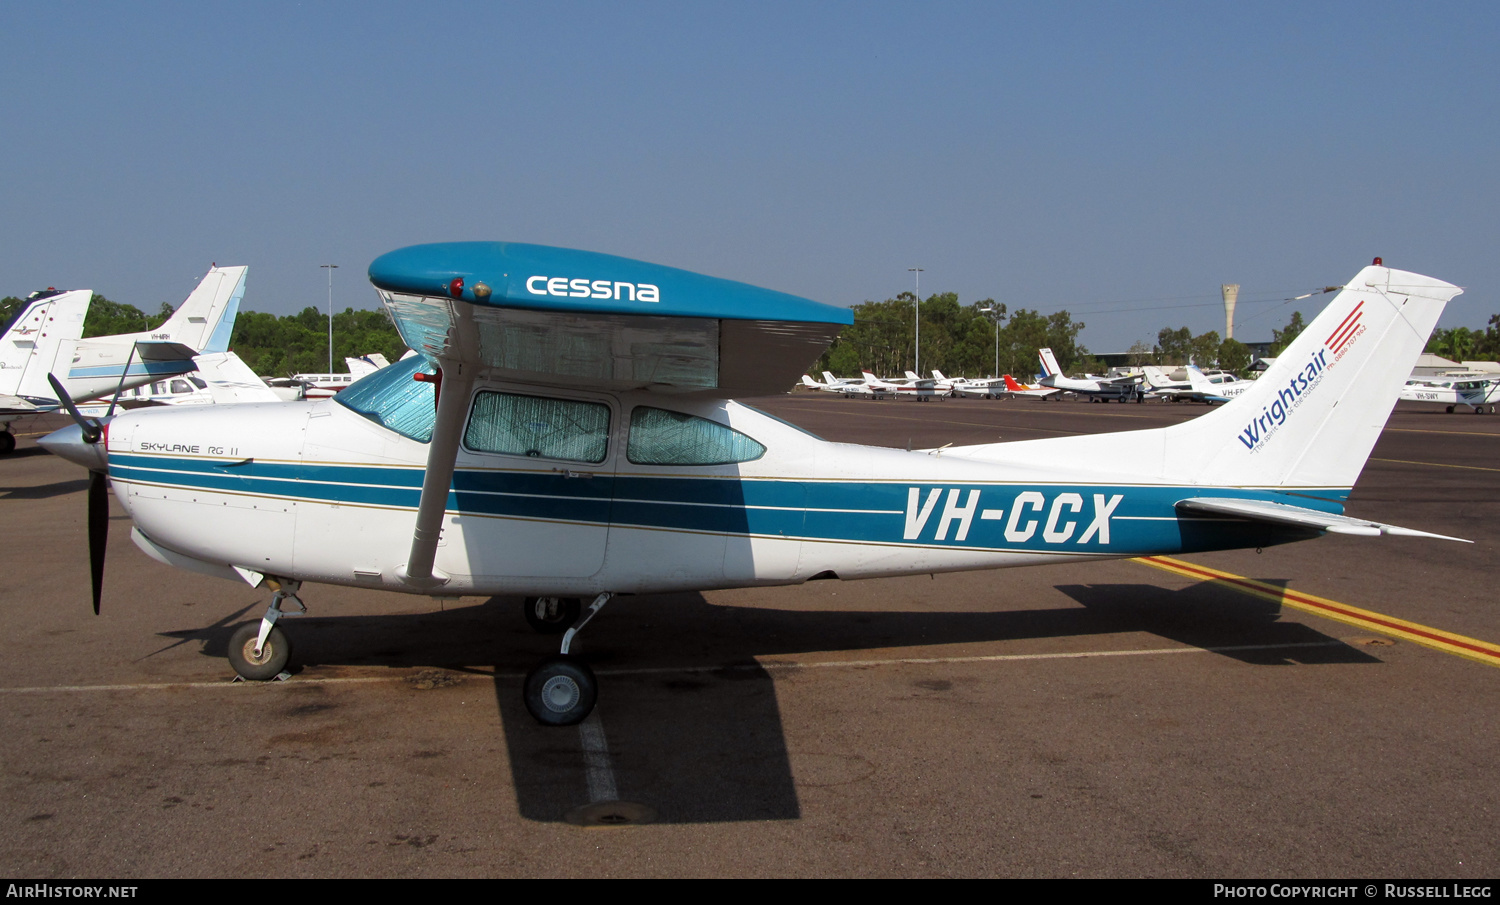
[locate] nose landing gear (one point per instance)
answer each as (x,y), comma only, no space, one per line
(561,690)
(260,652)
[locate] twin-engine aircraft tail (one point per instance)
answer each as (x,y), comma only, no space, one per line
(1313,416)
(206,317)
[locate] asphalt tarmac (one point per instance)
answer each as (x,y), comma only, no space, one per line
(1101,720)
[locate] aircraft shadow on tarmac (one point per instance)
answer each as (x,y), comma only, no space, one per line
(44,491)
(692,722)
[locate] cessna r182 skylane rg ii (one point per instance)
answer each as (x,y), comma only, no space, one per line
(566,435)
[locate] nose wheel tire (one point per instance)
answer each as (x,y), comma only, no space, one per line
(273,655)
(552,615)
(561,691)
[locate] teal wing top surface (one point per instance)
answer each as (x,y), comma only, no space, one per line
(564,279)
(559,316)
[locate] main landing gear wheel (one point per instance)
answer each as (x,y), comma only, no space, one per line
(1450,409)
(7,443)
(273,657)
(561,691)
(552,615)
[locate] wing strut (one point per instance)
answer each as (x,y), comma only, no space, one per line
(442,451)
(457,359)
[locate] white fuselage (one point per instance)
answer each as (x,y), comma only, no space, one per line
(315,491)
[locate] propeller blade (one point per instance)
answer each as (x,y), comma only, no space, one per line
(98,530)
(91,429)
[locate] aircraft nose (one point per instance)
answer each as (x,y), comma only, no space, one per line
(69,443)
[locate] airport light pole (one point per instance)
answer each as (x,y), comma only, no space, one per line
(994,316)
(330,268)
(916,346)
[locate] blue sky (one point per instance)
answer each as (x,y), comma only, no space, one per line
(1118,160)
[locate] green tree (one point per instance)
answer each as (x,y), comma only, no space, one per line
(10,306)
(1205,349)
(298,343)
(1140,353)
(1234,356)
(1487,344)
(1282,338)
(107,318)
(1454,343)
(1174,346)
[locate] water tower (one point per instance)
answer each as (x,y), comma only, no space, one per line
(1231,295)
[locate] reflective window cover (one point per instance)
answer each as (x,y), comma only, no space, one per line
(660,437)
(539,427)
(392,398)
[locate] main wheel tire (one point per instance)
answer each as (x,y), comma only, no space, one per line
(7,443)
(273,655)
(552,615)
(561,691)
(1450,409)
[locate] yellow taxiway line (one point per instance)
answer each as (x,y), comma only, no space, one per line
(1463,646)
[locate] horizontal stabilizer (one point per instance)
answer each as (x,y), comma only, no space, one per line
(15,405)
(157,350)
(1262,510)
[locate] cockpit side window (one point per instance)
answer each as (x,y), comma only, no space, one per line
(539,427)
(392,398)
(660,437)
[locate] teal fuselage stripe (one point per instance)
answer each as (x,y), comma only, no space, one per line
(1100,519)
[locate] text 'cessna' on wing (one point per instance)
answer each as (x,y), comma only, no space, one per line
(565,287)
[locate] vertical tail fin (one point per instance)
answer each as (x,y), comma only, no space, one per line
(1198,381)
(1313,417)
(1049,362)
(829,379)
(205,320)
(39,340)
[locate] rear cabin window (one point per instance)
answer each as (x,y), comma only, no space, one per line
(660,437)
(538,427)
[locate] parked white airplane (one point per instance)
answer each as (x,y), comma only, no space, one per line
(910,387)
(33,346)
(1474,392)
(1209,388)
(1158,379)
(986,387)
(1120,389)
(202,323)
(321,386)
(846,386)
(567,432)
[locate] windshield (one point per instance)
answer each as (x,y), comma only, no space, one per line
(393,398)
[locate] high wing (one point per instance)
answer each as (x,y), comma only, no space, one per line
(562,317)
